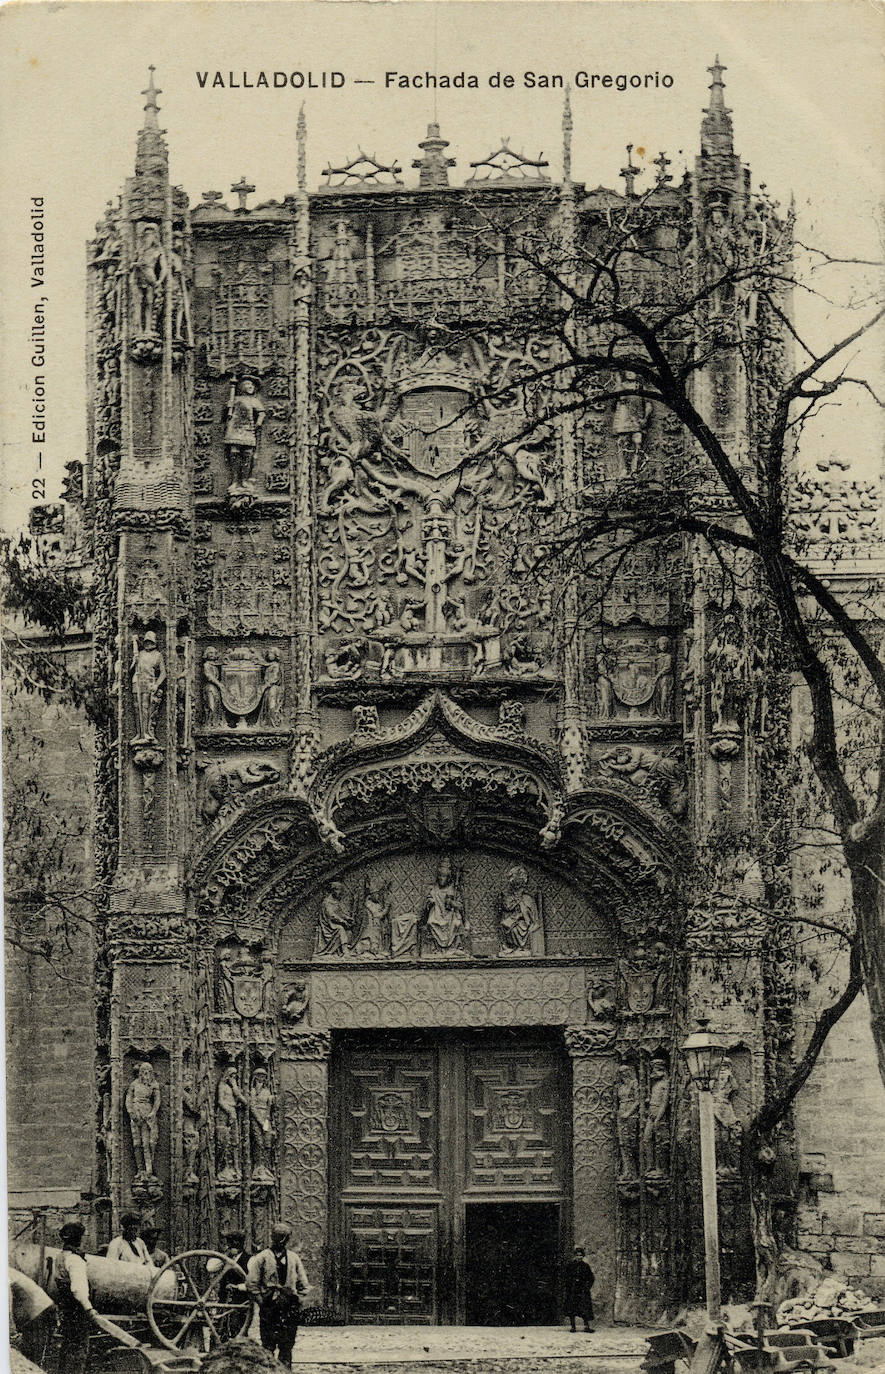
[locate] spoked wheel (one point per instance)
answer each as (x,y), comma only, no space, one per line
(196,1316)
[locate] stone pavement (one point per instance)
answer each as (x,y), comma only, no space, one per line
(467,1350)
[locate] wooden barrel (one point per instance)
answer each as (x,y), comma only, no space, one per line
(114,1286)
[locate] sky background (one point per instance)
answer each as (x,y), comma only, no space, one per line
(805,81)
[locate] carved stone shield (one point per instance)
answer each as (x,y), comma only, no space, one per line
(434,429)
(634,675)
(241,682)
(248,994)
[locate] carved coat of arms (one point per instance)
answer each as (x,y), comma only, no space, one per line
(635,673)
(242,682)
(248,994)
(433,429)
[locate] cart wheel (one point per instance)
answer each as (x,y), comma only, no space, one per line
(196,1316)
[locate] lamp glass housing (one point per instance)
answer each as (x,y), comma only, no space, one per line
(703,1052)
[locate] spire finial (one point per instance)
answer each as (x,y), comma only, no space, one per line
(301,140)
(151,108)
(567,135)
(662,162)
(433,167)
(717,135)
(630,173)
(151,157)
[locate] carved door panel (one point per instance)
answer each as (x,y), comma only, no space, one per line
(428,1127)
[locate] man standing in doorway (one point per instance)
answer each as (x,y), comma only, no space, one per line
(277,1280)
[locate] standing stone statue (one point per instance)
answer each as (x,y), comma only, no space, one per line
(228,1097)
(261,1126)
(191,1121)
(662,700)
(213,714)
(271,712)
(244,414)
(376,908)
(627,1092)
(656,1132)
(143,1106)
(148,673)
(728,1128)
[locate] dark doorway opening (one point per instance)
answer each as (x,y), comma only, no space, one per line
(511,1251)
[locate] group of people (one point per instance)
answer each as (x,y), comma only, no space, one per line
(275,1280)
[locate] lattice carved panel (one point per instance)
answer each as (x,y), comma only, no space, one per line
(594,1163)
(512,1122)
(392,1262)
(391,1113)
(572,927)
(304,1182)
(354,999)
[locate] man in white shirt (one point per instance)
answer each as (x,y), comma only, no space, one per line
(277,1280)
(129,1247)
(75,1310)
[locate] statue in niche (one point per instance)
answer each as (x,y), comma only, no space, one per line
(729,1131)
(261,1126)
(656,1132)
(519,918)
(376,910)
(191,1121)
(149,272)
(662,700)
(148,673)
(727,663)
(404,935)
(212,712)
(181,308)
(627,1122)
(334,924)
(143,1108)
(228,1099)
(244,414)
(295,1003)
(272,690)
(632,415)
(444,920)
(605,696)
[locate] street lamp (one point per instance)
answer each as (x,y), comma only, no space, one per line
(703,1053)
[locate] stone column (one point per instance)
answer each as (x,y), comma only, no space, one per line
(304,1151)
(594,1191)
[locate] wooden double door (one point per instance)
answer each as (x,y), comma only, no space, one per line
(450,1195)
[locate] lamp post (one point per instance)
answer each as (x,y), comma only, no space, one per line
(703,1053)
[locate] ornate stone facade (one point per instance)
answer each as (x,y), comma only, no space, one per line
(372,774)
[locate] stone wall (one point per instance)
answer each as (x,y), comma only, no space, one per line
(840,1128)
(49,1001)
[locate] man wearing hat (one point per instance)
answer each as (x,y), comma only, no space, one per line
(129,1246)
(151,1237)
(579,1280)
(75,1310)
(230,1286)
(277,1280)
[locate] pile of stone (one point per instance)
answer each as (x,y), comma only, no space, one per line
(832,1298)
